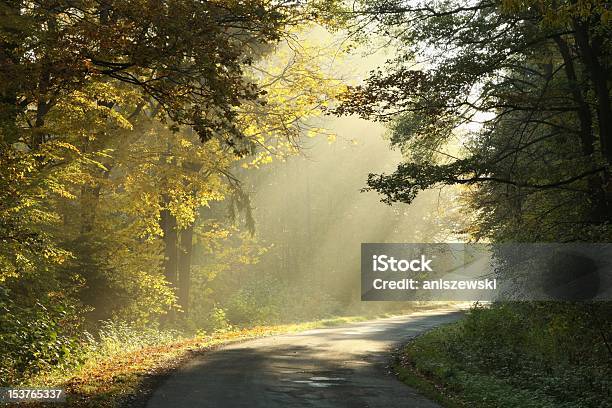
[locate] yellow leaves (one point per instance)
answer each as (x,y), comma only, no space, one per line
(184,143)
(314,132)
(119,119)
(57,150)
(260,159)
(63,145)
(298,88)
(138,169)
(86,114)
(56,255)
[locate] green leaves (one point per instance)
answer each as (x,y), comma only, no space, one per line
(32,336)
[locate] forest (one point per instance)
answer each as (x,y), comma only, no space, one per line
(176,174)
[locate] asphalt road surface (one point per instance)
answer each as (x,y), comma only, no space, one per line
(344,366)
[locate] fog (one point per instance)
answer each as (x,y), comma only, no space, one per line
(312,215)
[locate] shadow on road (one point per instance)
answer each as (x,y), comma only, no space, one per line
(333,367)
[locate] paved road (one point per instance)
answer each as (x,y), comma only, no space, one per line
(334,367)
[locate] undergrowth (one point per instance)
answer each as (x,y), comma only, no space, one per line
(536,355)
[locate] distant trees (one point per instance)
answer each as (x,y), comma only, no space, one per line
(523,87)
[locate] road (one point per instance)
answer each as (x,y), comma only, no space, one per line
(343,366)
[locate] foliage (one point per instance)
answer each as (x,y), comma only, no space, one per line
(35,337)
(509,99)
(501,356)
(188,56)
(267,300)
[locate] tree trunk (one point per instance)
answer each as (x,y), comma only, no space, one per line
(8,98)
(9,78)
(184,268)
(591,52)
(168,225)
(43,103)
(90,197)
(601,206)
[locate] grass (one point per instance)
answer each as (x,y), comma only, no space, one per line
(118,366)
(103,380)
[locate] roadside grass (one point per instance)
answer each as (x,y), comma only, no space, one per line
(113,372)
(425,366)
(458,366)
(105,379)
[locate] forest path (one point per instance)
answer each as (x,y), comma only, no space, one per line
(344,366)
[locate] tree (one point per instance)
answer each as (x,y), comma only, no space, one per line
(523,87)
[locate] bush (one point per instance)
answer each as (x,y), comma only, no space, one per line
(274,302)
(533,354)
(249,308)
(34,337)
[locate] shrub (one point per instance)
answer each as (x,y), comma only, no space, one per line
(34,337)
(555,351)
